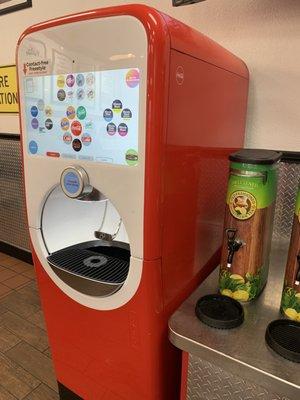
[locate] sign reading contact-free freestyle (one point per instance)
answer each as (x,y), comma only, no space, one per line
(8,89)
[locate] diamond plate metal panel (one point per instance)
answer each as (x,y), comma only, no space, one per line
(13,224)
(289,175)
(206,381)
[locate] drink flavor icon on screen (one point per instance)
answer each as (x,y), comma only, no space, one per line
(49,124)
(34,123)
(90,94)
(41,104)
(86,139)
(90,79)
(81,112)
(76,128)
(33,147)
(34,111)
(80,94)
(111,128)
(67,138)
(108,114)
(77,145)
(80,80)
(70,112)
(70,80)
(48,111)
(126,113)
(117,106)
(61,95)
(60,81)
(131,157)
(122,129)
(133,78)
(65,124)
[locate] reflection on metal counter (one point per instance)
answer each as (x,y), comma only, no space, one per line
(125,149)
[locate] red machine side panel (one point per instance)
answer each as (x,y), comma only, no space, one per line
(112,355)
(206,121)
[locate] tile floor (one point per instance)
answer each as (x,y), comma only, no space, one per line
(26,370)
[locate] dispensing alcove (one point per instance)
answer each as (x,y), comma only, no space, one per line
(69,229)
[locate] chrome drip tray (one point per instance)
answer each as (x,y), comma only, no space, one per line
(96,268)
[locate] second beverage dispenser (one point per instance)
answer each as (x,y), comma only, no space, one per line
(250,206)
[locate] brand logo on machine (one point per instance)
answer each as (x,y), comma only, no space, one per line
(32,51)
(179,75)
(242,205)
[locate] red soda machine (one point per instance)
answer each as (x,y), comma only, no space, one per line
(127,120)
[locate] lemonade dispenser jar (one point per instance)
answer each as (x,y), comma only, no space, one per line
(290,302)
(248,224)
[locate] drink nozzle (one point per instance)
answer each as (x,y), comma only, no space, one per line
(233,245)
(297,278)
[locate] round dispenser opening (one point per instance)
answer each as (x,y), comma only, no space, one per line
(87,243)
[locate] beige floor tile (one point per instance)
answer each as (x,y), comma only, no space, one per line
(4,395)
(16,281)
(9,261)
(4,290)
(35,362)
(18,304)
(20,267)
(25,330)
(30,294)
(42,392)
(15,379)
(7,340)
(6,273)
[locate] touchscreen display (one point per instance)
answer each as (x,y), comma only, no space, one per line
(85,116)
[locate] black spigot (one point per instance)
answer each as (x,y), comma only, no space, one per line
(233,245)
(297,278)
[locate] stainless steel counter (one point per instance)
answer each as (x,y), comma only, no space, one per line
(241,351)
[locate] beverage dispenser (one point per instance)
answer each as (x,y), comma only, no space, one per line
(127,120)
(290,302)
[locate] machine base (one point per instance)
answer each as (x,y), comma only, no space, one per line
(67,394)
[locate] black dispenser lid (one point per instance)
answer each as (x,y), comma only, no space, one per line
(255,156)
(283,336)
(219,311)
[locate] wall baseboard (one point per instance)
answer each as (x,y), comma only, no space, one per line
(16,252)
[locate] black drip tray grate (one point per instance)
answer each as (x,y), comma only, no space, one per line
(283,336)
(91,265)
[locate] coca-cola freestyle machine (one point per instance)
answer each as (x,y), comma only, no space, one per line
(127,118)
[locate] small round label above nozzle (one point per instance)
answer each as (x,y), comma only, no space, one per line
(74,182)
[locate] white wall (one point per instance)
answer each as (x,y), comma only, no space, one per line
(264,33)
